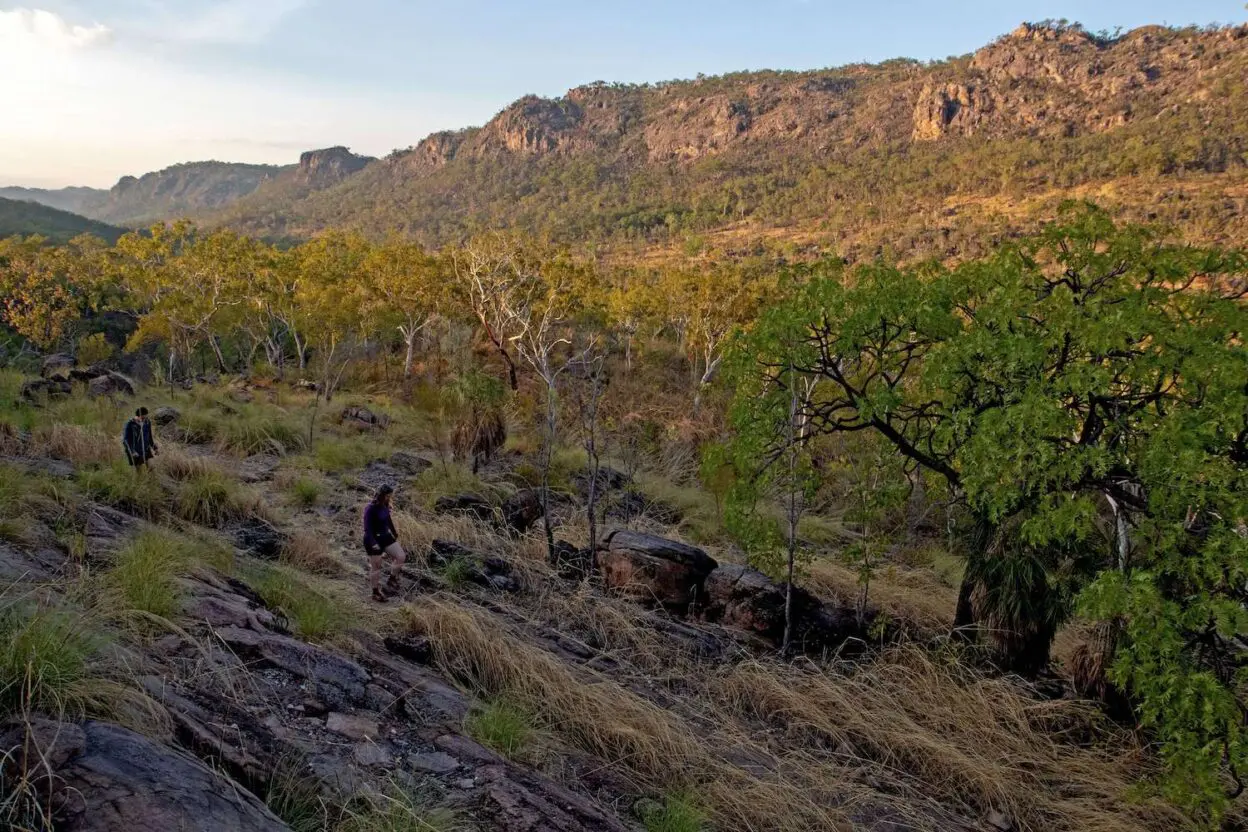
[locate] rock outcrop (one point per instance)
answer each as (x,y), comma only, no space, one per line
(322,168)
(100,777)
(654,570)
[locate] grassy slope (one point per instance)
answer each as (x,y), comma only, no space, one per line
(910,735)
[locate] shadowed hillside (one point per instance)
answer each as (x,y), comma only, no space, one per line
(30,218)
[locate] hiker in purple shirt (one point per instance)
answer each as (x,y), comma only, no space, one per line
(381,539)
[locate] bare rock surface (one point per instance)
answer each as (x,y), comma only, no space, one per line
(117,780)
(654,570)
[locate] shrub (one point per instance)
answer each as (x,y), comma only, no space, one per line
(45,660)
(121,486)
(458,572)
(313,614)
(92,349)
(309,551)
(144,576)
(306,491)
(211,498)
(502,726)
(677,813)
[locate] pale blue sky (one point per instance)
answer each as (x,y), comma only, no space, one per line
(107,87)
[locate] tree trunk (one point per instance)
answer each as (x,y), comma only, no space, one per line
(794,511)
(547,454)
(964,620)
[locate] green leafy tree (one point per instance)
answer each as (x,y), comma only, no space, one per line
(1091,377)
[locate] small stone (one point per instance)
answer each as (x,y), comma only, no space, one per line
(356,727)
(467,783)
(435,762)
(371,754)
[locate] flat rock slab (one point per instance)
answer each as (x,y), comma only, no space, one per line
(371,754)
(338,681)
(355,727)
(123,781)
(435,762)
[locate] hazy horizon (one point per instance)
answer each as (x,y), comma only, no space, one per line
(106,88)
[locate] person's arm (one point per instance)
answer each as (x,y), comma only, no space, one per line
(394,533)
(151,437)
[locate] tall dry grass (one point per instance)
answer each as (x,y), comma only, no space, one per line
(911,736)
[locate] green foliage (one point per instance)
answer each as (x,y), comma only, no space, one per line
(46,658)
(458,572)
(92,349)
(502,726)
(314,614)
(677,813)
(143,577)
(399,809)
(1088,378)
(306,491)
(121,486)
(212,498)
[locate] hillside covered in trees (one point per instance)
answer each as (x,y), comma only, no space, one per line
(23,218)
(920,160)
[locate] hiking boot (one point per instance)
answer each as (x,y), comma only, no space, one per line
(392,585)
(379,596)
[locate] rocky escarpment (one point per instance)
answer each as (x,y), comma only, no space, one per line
(616,158)
(322,168)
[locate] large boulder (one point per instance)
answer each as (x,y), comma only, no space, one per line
(111,384)
(654,570)
(40,390)
(522,510)
(363,418)
(741,597)
(57,366)
(473,505)
(409,463)
(105,778)
(167,415)
(260,538)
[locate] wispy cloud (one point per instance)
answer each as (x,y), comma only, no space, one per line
(218,21)
(25,29)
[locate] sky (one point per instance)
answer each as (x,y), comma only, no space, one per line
(91,90)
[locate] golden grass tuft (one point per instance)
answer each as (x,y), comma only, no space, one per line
(308,551)
(81,445)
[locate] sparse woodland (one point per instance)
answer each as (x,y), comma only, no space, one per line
(1015,486)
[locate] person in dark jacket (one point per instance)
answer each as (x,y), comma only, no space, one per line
(381,540)
(137,440)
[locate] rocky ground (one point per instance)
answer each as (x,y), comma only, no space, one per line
(642,673)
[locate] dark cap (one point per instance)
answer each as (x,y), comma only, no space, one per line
(385,491)
(142,411)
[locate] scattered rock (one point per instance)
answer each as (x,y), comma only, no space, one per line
(413,648)
(355,727)
(260,537)
(121,780)
(491,571)
(999,822)
(653,570)
(522,509)
(464,748)
(337,681)
(608,479)
(37,391)
(473,505)
(436,762)
(572,563)
(630,504)
(371,754)
(167,415)
(258,468)
(409,463)
(363,418)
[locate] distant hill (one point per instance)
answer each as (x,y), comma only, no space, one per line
(903,157)
(73,200)
(27,218)
(188,189)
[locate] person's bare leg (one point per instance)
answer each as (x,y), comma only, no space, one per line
(374,574)
(397,558)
